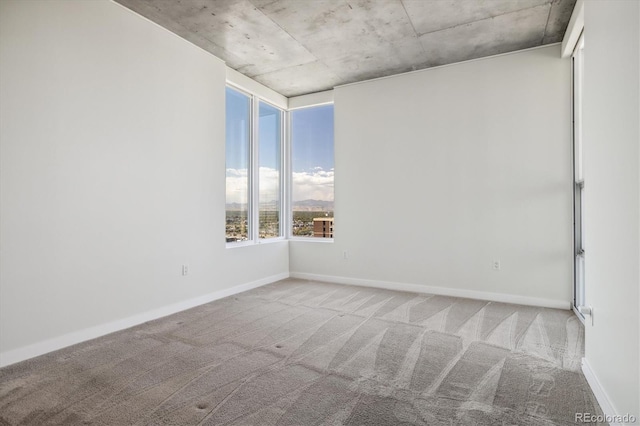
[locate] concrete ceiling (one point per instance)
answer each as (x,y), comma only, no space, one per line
(297,47)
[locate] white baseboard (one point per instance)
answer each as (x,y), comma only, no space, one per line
(598,391)
(442,291)
(49,345)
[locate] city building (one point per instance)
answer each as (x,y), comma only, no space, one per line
(323,227)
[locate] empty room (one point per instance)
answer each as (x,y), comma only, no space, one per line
(319,212)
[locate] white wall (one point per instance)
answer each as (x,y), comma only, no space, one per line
(612,210)
(438,172)
(112,175)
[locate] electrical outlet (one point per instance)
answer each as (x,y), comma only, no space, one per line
(496,265)
(345,255)
(185,270)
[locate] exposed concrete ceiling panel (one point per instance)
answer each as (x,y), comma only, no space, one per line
(357,39)
(306,78)
(297,47)
(559,17)
(429,16)
(491,36)
(256,43)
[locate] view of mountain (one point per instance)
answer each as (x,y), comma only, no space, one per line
(236,206)
(301,206)
(313,206)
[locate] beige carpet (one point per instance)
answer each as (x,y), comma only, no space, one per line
(306,353)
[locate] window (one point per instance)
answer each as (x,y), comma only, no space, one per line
(256,170)
(253,168)
(270,137)
(238,131)
(312,168)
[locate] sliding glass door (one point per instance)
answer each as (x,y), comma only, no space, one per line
(578,177)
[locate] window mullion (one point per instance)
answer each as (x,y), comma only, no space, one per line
(255,172)
(285,178)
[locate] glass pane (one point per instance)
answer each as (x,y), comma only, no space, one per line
(312,172)
(578,198)
(577,214)
(580,298)
(269,137)
(238,111)
(578,80)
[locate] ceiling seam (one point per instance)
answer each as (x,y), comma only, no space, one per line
(285,68)
(302,44)
(296,40)
(413,27)
(485,19)
(289,34)
(546,25)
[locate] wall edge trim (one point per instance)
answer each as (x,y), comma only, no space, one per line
(442,291)
(43,347)
(598,391)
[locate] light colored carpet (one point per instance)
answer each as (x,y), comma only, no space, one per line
(307,353)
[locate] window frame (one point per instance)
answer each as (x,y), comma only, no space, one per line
(256,153)
(289,233)
(253,174)
(250,177)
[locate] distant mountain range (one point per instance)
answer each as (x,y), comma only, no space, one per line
(313,206)
(299,206)
(236,206)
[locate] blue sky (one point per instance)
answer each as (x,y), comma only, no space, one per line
(312,135)
(269,136)
(237,129)
(312,138)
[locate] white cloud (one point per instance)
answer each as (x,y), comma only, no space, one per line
(269,184)
(313,185)
(237,182)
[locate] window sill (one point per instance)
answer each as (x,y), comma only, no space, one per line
(311,240)
(250,243)
(237,244)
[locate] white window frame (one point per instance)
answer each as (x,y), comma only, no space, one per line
(253,174)
(577,170)
(303,102)
(253,209)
